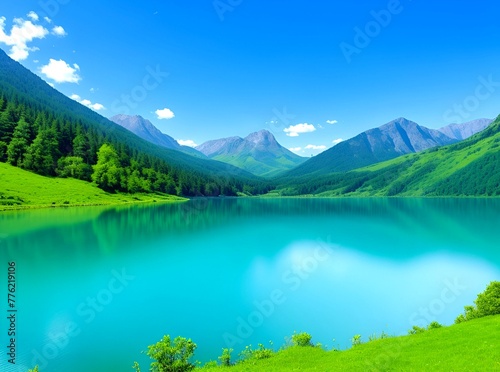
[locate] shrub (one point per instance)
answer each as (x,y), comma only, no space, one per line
(416,330)
(261,353)
(486,303)
(171,357)
(356,340)
(302,339)
(225,358)
(434,325)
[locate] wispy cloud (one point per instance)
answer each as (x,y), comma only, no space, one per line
(189,143)
(295,130)
(331,122)
(164,114)
(337,141)
(86,102)
(61,72)
(295,149)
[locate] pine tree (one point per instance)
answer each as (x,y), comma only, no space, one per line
(43,153)
(20,141)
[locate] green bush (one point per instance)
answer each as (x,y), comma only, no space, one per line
(302,339)
(434,325)
(356,340)
(487,303)
(170,357)
(225,358)
(261,353)
(416,330)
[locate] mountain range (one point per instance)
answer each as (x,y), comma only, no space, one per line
(258,153)
(400,157)
(396,138)
(25,95)
(144,129)
(467,168)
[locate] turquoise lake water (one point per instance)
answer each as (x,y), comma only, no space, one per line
(96,286)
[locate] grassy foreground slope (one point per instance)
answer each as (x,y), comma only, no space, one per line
(469,346)
(20,189)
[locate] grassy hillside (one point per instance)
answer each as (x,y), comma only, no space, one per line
(470,346)
(468,168)
(37,119)
(20,189)
(268,168)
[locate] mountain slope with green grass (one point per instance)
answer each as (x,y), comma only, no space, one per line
(48,133)
(467,168)
(396,138)
(259,153)
(20,189)
(470,346)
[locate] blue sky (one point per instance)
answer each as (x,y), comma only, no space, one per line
(221,68)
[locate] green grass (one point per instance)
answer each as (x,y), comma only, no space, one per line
(20,189)
(469,346)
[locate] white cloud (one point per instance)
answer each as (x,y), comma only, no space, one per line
(164,114)
(314,147)
(332,122)
(33,16)
(86,102)
(295,149)
(59,31)
(47,19)
(189,143)
(61,72)
(294,130)
(21,33)
(36,61)
(337,141)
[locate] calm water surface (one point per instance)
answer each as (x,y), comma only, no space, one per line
(95,286)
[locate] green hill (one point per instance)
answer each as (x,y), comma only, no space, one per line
(469,346)
(34,115)
(467,168)
(259,153)
(20,189)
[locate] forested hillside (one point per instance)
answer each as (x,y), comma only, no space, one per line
(43,131)
(467,168)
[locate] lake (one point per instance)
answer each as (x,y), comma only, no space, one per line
(96,286)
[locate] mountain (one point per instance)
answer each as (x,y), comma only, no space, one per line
(465,130)
(396,138)
(258,153)
(147,131)
(55,121)
(468,168)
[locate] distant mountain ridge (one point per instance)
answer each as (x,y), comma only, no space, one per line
(396,138)
(258,153)
(144,129)
(465,130)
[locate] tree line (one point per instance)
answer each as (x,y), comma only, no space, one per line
(63,146)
